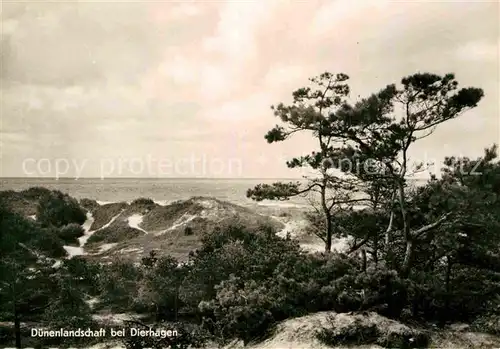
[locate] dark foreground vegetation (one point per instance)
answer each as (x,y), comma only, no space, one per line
(420,255)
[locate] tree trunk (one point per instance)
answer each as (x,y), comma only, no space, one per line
(405,269)
(329,232)
(388,252)
(328,220)
(444,315)
(363,259)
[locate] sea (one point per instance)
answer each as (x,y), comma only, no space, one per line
(162,190)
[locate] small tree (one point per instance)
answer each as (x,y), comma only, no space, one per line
(309,113)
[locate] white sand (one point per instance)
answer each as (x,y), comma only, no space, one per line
(132,250)
(86,227)
(73,251)
(163,202)
(116,318)
(135,220)
(296,230)
(106,247)
(78,251)
(105,202)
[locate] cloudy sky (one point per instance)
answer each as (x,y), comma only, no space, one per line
(184,89)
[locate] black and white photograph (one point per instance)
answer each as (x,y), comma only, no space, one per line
(261,174)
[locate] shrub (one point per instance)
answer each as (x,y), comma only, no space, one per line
(276,280)
(144,203)
(89,204)
(48,241)
(15,229)
(356,333)
(16,202)
(489,322)
(404,340)
(233,249)
(242,311)
(35,193)
(119,284)
(85,274)
(71,232)
(188,231)
(382,287)
(364,332)
(58,209)
(161,286)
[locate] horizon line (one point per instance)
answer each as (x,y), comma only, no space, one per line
(172,178)
(163,178)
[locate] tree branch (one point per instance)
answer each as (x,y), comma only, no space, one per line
(358,245)
(418,233)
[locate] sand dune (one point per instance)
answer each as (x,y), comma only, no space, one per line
(135,220)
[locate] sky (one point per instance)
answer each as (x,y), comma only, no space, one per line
(184,89)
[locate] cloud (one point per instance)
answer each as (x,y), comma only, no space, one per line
(479,51)
(93,79)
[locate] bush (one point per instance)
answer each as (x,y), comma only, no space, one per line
(143,201)
(71,232)
(49,242)
(276,280)
(356,333)
(364,332)
(58,209)
(16,202)
(36,193)
(242,309)
(161,286)
(15,229)
(233,249)
(188,231)
(489,322)
(119,285)
(90,205)
(405,340)
(85,273)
